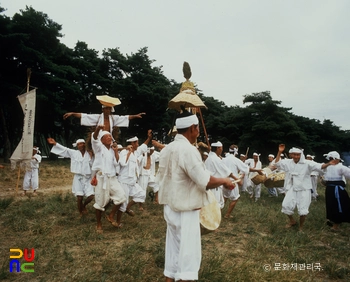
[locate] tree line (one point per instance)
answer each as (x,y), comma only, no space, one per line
(69,79)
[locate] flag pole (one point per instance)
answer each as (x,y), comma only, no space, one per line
(29,72)
(18,175)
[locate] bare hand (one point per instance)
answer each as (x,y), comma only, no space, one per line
(115,146)
(100,127)
(229,184)
(94,181)
(281,148)
(67,115)
(51,141)
(149,133)
(139,115)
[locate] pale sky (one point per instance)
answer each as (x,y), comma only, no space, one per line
(298,50)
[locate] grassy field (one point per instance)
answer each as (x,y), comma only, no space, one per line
(251,246)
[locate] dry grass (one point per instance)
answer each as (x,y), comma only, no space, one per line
(53,176)
(67,248)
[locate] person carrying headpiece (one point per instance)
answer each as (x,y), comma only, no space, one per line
(129,172)
(337,198)
(31,177)
(297,183)
(107,186)
(105,118)
(183,182)
(80,166)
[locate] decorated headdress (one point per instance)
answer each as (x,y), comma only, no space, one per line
(187,96)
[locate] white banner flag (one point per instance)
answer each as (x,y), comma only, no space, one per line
(24,150)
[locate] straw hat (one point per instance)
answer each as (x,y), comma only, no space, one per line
(187,98)
(108,100)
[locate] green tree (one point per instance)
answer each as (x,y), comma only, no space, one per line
(263,124)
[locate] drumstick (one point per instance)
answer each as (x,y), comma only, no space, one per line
(246,153)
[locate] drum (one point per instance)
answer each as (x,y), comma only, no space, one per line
(257,178)
(275,179)
(210,215)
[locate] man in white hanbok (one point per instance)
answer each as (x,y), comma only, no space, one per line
(183,181)
(217,168)
(80,165)
(105,118)
(147,173)
(297,183)
(255,166)
(235,165)
(107,188)
(31,177)
(129,172)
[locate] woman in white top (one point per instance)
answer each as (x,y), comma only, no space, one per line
(337,199)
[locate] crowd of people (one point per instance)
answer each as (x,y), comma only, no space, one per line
(119,177)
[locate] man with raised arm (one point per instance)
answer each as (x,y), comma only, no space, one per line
(297,183)
(105,167)
(80,166)
(106,118)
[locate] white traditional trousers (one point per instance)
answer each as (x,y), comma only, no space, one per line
(108,188)
(300,199)
(82,186)
(183,251)
(31,179)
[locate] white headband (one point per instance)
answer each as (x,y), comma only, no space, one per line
(78,141)
(256,154)
(186,122)
(296,150)
(103,133)
(37,149)
(133,139)
(272,156)
(216,144)
(234,150)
